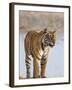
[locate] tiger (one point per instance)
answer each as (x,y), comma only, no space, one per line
(37,46)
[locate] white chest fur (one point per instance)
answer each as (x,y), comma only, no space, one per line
(41,52)
(45,51)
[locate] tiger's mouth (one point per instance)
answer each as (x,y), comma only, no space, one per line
(51,44)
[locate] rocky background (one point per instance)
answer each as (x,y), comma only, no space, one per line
(34,20)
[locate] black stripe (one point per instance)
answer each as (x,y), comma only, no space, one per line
(42,46)
(27,66)
(28,62)
(44,56)
(43,61)
(28,58)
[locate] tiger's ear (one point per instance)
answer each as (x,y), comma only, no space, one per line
(45,30)
(54,32)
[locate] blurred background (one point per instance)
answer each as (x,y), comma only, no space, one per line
(33,20)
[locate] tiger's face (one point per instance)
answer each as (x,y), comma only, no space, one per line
(49,39)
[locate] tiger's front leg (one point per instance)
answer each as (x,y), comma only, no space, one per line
(43,66)
(36,71)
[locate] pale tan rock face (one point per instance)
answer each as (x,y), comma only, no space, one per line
(34,20)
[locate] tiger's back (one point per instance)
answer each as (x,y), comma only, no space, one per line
(33,42)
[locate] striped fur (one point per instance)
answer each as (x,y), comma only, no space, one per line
(37,46)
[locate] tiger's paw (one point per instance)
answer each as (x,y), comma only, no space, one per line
(43,77)
(36,77)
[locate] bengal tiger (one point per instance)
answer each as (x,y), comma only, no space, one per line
(37,45)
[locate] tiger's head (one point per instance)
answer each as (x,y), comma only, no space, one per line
(49,38)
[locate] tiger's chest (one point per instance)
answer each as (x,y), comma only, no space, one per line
(43,52)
